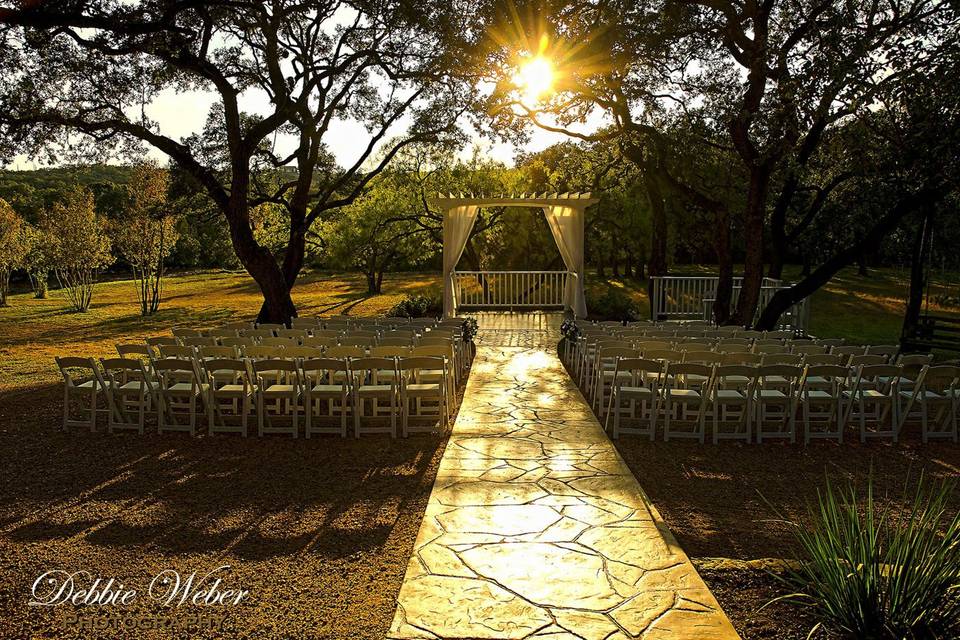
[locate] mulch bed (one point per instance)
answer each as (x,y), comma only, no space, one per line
(726,501)
(318,531)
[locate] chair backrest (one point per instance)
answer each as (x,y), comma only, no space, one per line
(614,352)
(640,370)
(344,352)
(221,333)
(690,333)
(737,347)
(651,345)
(724,372)
(703,357)
(176,351)
(873,373)
(238,325)
(850,350)
(184,332)
(667,355)
(262,353)
(369,367)
(675,370)
(915,359)
(362,333)
(199,341)
(318,343)
(835,374)
(727,340)
(304,323)
(742,359)
(866,360)
(270,326)
(941,378)
(76,369)
(416,363)
(302,352)
(324,370)
(889,350)
(353,340)
(157,341)
(137,350)
(770,348)
(326,333)
(432,350)
(816,360)
(396,342)
(408,334)
(257,334)
(393,321)
(299,334)
(793,359)
(119,371)
(782,335)
(235,365)
(830,342)
(172,370)
(809,349)
(697,344)
(277,370)
(280,342)
(227,352)
(790,372)
(389,351)
(237,342)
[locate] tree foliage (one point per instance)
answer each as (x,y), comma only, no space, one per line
(146,233)
(14,246)
(78,244)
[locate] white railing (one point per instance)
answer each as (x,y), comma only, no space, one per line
(692,298)
(510,289)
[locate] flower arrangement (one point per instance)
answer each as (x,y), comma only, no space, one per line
(469,329)
(570,330)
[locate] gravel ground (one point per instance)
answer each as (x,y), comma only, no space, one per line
(319,532)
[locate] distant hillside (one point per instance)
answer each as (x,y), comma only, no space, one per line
(31,191)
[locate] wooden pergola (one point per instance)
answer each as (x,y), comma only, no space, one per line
(564,213)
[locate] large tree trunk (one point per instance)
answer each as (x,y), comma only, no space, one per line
(657,266)
(753,233)
(721,243)
(786,298)
(918,272)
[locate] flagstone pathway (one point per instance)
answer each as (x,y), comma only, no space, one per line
(536,528)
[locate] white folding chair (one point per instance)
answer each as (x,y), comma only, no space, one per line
(179,391)
(370,385)
(326,380)
(875,408)
(822,404)
(937,394)
(277,392)
(230,395)
(418,391)
(128,391)
(776,401)
(685,399)
(732,395)
(81,384)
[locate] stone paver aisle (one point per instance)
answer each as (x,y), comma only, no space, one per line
(536,528)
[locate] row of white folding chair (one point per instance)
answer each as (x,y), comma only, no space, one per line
(605,356)
(175,388)
(828,396)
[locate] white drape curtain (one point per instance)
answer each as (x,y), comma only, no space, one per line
(566,224)
(457,225)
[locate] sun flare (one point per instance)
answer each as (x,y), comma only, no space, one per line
(534,78)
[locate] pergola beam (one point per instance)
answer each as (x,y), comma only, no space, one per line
(578,200)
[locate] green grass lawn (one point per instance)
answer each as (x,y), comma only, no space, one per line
(859,309)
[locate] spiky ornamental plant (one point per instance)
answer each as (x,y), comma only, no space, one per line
(867,573)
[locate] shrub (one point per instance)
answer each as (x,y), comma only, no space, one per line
(613,304)
(418,307)
(868,574)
